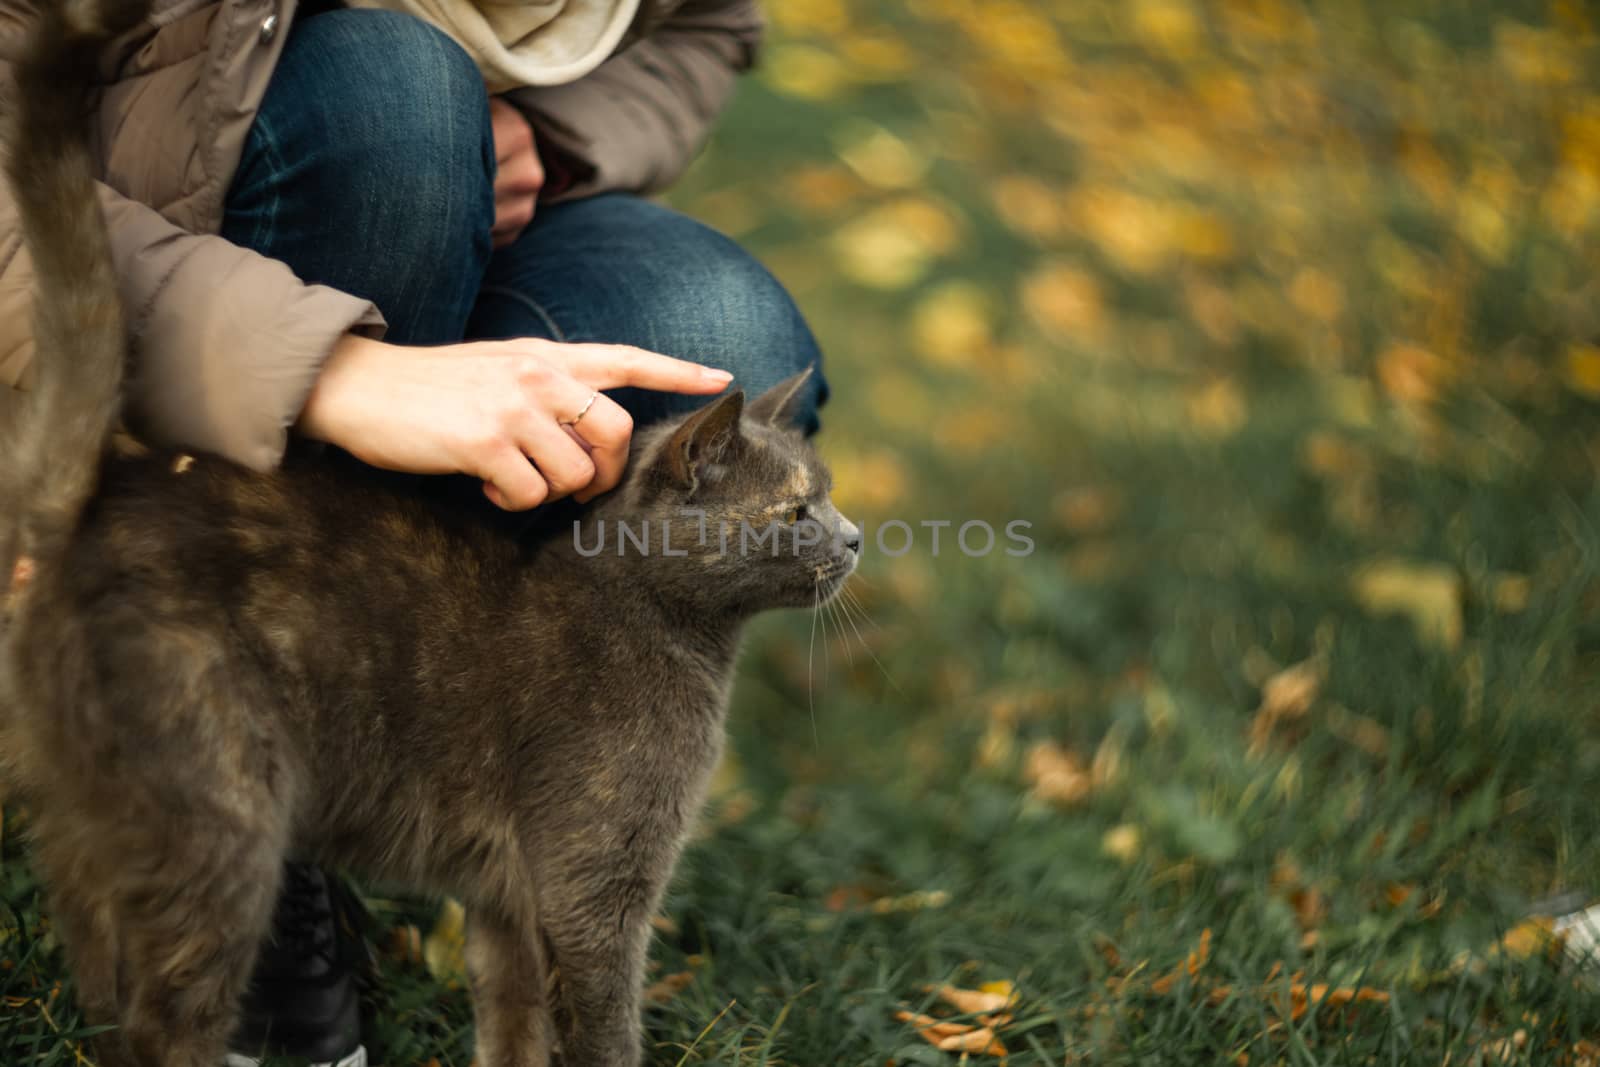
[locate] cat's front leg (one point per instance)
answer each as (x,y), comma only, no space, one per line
(510,987)
(598,946)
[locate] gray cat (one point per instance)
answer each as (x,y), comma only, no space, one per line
(211,669)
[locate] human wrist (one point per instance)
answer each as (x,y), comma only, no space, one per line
(338,388)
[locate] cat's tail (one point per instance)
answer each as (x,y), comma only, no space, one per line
(50,464)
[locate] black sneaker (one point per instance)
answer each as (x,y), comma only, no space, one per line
(303,1000)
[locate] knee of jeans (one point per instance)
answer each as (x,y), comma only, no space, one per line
(410,119)
(747,323)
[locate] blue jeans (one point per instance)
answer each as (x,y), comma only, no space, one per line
(370,168)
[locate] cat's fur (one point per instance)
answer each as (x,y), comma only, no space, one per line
(212,669)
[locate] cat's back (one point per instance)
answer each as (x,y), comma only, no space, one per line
(312,552)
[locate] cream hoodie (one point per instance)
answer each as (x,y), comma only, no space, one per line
(519,43)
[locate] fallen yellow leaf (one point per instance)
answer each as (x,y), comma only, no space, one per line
(975,1001)
(1530,937)
(445,946)
(1122,842)
(1056,774)
(1428,593)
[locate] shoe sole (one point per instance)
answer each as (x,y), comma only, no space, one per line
(358,1058)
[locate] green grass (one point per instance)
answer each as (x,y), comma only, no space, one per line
(1224,357)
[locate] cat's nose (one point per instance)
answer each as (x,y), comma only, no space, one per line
(850,535)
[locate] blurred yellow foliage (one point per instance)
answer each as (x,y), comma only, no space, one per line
(951,325)
(1535,56)
(1218,409)
(868,482)
(1170,26)
(1028,206)
(1411,374)
(805,71)
(877,57)
(878,157)
(893,245)
(1583,370)
(1317,293)
(830,17)
(1066,302)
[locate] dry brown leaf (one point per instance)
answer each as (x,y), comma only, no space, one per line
(847,898)
(981,1042)
(1286,696)
(669,986)
(405,944)
(1302,998)
(1191,965)
(1107,949)
(933,1030)
(1056,774)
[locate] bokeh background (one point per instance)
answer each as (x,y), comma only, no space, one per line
(1279,324)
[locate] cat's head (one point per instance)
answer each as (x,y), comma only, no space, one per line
(731,504)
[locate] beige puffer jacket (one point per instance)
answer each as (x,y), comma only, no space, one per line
(226,343)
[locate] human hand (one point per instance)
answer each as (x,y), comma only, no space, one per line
(488,408)
(518,175)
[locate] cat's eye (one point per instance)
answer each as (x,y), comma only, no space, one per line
(795,515)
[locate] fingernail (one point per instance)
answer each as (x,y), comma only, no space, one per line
(712,374)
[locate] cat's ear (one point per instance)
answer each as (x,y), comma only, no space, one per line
(780,405)
(705,439)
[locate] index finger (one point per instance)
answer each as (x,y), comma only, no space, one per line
(613,366)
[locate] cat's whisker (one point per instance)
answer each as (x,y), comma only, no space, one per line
(855,601)
(826,674)
(811,663)
(836,610)
(852,605)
